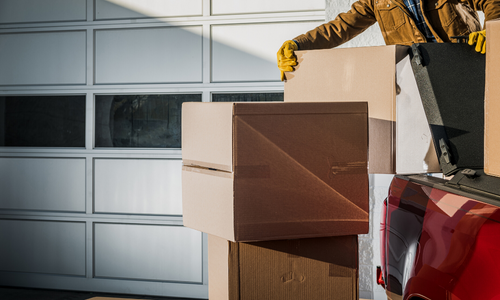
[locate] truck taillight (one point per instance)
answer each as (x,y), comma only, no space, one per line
(380,278)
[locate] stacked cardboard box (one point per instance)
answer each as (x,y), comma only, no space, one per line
(282,191)
(400,139)
(318,268)
(492,100)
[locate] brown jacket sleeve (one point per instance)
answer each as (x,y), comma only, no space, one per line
(345,27)
(491,8)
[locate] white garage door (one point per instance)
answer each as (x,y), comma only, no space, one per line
(90,154)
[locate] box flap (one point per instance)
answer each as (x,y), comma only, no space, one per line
(207,135)
(355,74)
(208,193)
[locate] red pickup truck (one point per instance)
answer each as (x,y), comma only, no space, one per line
(440,238)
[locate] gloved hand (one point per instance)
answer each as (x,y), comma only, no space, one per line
(287,58)
(478,37)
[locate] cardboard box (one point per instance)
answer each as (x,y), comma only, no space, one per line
(319,269)
(492,100)
(269,171)
(400,139)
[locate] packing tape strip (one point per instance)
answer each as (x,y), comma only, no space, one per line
(339,168)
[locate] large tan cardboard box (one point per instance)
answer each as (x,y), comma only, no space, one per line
(400,138)
(492,100)
(305,269)
(269,171)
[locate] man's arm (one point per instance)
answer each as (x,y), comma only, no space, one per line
(342,29)
(491,8)
(332,34)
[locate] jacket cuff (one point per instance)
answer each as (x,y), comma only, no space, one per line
(301,42)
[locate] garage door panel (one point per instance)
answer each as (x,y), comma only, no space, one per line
(43,247)
(156,55)
(43,58)
(147,252)
(43,184)
(27,11)
(142,186)
(247,52)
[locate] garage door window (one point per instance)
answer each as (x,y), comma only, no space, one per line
(247,97)
(42,121)
(140,121)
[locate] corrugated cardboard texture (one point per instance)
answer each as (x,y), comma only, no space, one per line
(492,100)
(320,268)
(366,74)
(300,170)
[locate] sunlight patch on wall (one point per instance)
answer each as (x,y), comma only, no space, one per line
(122,9)
(259,40)
(222,7)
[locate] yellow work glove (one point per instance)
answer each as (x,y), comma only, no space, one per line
(287,58)
(478,37)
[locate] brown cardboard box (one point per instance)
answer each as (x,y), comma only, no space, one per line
(492,100)
(269,171)
(319,269)
(400,139)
